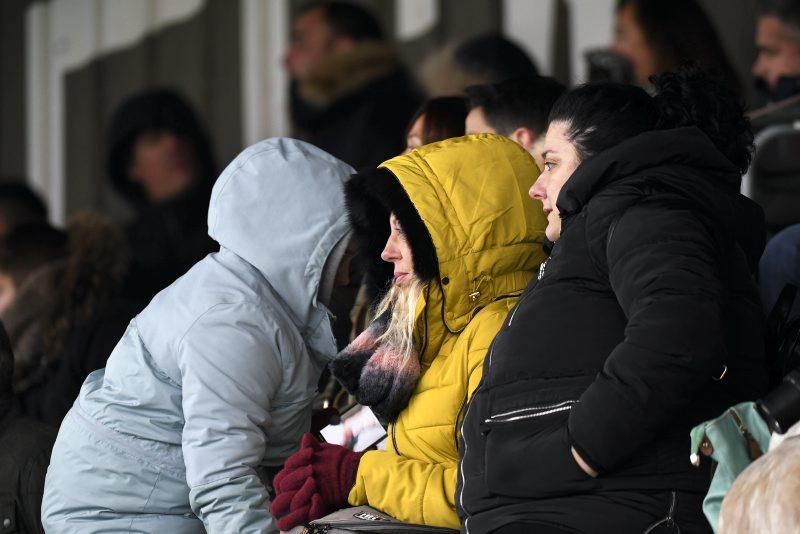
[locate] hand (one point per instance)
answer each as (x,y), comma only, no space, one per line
(314,480)
(583,465)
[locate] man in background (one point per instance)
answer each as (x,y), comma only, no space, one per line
(777,65)
(350,95)
(517,109)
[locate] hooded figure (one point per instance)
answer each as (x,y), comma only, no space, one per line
(476,242)
(210,388)
(156,141)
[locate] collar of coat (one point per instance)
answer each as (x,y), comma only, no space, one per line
(342,74)
(469,197)
(701,168)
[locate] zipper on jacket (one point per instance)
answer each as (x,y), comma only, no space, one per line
(458,419)
(461,463)
(531,412)
(525,295)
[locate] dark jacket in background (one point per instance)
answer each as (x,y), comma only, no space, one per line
(86,349)
(617,349)
(80,316)
(166,239)
(25,447)
(356,106)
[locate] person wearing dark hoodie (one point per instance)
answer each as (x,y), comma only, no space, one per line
(644,321)
(160,159)
(84,315)
(25,447)
(349,95)
(210,387)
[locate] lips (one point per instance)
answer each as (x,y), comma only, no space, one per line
(400,277)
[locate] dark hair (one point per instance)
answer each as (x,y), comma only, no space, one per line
(29,247)
(680,32)
(521,102)
(601,115)
(155,111)
(347,20)
(6,365)
(19,204)
(444,118)
(787,11)
(493,58)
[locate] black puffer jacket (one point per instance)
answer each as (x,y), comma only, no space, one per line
(25,447)
(616,350)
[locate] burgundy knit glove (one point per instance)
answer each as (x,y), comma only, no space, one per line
(314,481)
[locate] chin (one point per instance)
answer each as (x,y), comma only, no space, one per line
(552,234)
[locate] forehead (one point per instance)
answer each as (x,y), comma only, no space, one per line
(311,20)
(556,137)
(770,27)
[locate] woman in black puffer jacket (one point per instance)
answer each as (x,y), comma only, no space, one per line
(644,321)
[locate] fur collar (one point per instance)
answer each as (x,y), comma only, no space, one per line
(343,74)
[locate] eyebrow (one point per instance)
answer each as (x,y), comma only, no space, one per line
(545,153)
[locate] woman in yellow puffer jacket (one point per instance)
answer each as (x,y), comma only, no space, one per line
(465,241)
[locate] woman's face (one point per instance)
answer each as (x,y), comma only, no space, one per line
(398,252)
(414,139)
(631,43)
(560,161)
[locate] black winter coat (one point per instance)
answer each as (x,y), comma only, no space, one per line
(365,127)
(618,348)
(25,447)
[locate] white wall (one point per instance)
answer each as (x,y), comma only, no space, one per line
(265,37)
(592,27)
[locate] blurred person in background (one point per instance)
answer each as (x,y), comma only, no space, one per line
(19,205)
(59,300)
(210,387)
(484,59)
(657,36)
(777,65)
(777,72)
(33,260)
(437,119)
(84,315)
(160,159)
(517,109)
(350,95)
(24,454)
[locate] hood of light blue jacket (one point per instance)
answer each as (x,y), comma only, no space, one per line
(280,206)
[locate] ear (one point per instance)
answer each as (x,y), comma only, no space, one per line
(525,137)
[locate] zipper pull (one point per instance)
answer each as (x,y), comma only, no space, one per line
(542,268)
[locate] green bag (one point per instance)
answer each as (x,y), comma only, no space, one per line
(733,441)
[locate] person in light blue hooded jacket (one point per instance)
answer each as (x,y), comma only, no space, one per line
(210,388)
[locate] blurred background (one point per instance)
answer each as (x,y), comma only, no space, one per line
(66,65)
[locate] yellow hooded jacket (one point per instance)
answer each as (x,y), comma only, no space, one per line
(472,195)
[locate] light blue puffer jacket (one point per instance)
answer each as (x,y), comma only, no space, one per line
(211,385)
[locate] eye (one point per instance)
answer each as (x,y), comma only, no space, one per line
(548,166)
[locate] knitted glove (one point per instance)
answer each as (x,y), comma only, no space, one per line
(313,482)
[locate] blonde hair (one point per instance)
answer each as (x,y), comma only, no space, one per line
(401,305)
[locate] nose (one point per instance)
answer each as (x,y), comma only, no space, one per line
(538,190)
(390,252)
